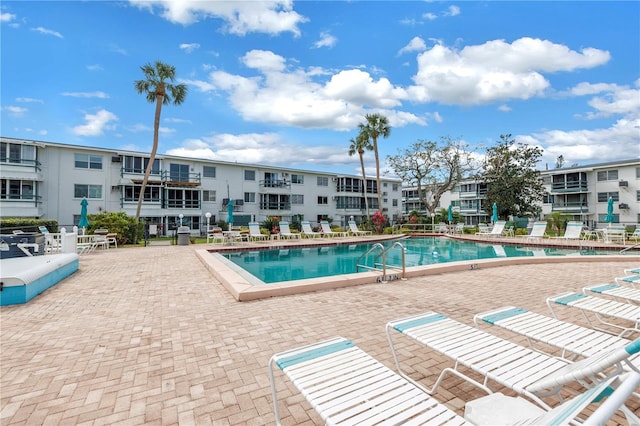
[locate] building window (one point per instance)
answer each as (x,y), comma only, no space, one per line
(607,175)
(87,191)
(209,172)
(637,195)
(183,199)
(17,190)
(322,200)
(209,196)
(394,187)
(85,161)
(249,175)
(297,199)
(151,193)
(249,197)
(394,202)
(17,153)
(139,165)
(603,197)
(297,179)
(323,181)
(637,172)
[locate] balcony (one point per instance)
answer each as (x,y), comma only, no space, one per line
(571,207)
(275,206)
(570,186)
(165,177)
(275,183)
(17,168)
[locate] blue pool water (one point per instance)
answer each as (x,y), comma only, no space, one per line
(272,266)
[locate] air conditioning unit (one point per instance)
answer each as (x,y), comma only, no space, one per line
(623,206)
(115,188)
(116,159)
(335,197)
(335,179)
(623,183)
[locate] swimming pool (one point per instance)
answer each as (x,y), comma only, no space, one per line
(272,266)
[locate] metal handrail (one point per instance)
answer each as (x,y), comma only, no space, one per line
(383,254)
(629,248)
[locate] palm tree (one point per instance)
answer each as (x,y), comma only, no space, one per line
(159,91)
(376,125)
(359,144)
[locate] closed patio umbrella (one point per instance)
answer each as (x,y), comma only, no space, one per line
(494,217)
(230,213)
(450,214)
(609,217)
(84,221)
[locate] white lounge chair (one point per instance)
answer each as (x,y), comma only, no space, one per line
(347,386)
(255,234)
(633,280)
(538,231)
(308,232)
(353,228)
(285,231)
(572,232)
(326,230)
(600,309)
(617,292)
(572,339)
(529,373)
(497,229)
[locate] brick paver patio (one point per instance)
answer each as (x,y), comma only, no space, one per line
(147,336)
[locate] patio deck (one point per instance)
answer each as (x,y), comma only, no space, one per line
(148,336)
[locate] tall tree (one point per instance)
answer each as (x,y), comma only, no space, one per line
(433,167)
(513,182)
(158,87)
(376,125)
(359,145)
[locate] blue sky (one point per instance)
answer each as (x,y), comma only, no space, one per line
(286,83)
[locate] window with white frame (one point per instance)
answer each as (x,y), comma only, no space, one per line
(297,179)
(14,189)
(323,181)
(151,193)
(323,200)
(86,161)
(87,191)
(249,175)
(209,195)
(209,171)
(297,199)
(249,197)
(607,175)
(603,197)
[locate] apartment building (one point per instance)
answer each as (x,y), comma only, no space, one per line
(581,193)
(49,180)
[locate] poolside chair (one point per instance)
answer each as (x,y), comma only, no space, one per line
(345,385)
(353,228)
(285,231)
(635,235)
(483,229)
(326,230)
(572,339)
(255,234)
(601,309)
(635,271)
(617,292)
(614,234)
(527,372)
(215,235)
(633,280)
(538,231)
(497,229)
(308,232)
(573,231)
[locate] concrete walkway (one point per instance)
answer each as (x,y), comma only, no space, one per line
(147,336)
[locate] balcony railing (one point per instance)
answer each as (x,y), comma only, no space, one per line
(571,207)
(573,186)
(275,183)
(21,162)
(275,206)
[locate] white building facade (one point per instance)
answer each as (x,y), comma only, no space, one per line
(580,193)
(49,180)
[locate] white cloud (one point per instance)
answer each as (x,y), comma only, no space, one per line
(177,120)
(96,124)
(415,45)
(97,94)
(495,70)
(430,16)
(95,67)
(43,30)
(326,40)
(117,49)
(240,17)
(7,17)
(15,111)
(504,108)
(452,11)
(612,99)
(30,100)
(189,47)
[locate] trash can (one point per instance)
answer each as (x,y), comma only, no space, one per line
(183,235)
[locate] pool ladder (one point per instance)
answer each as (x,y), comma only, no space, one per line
(383,264)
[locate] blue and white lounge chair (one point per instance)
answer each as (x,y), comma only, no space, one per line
(326,230)
(353,228)
(572,232)
(525,371)
(255,234)
(618,292)
(496,231)
(285,231)
(308,232)
(632,280)
(538,231)
(573,340)
(347,386)
(600,309)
